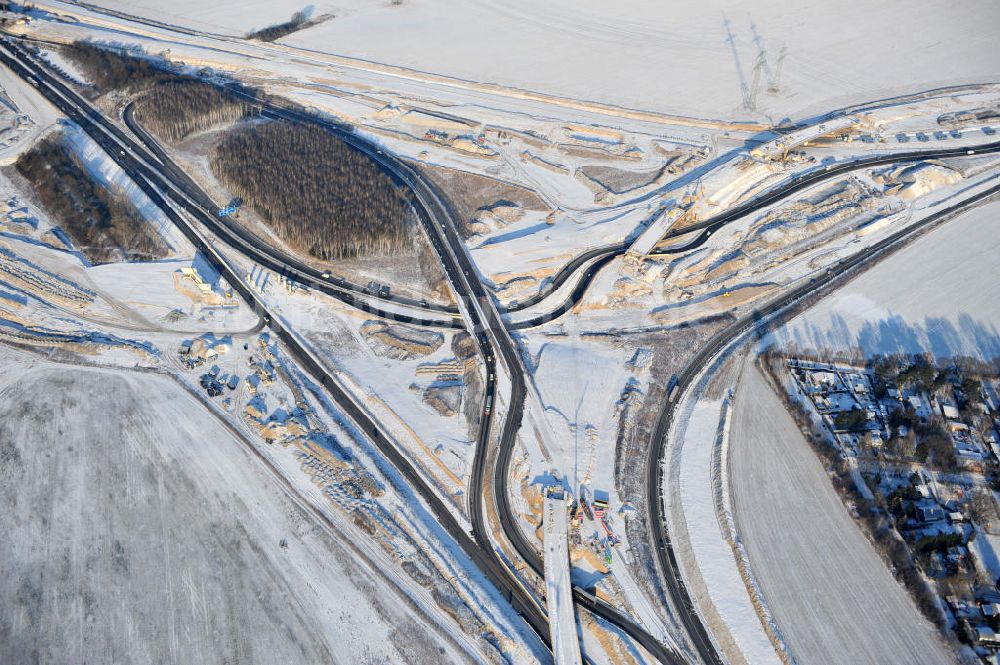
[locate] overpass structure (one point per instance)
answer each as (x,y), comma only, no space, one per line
(147,174)
(558,588)
(777,148)
(661,225)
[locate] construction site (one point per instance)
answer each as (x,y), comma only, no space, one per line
(466,326)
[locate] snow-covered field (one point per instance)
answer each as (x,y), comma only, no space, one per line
(580,382)
(149,289)
(939,294)
(832,596)
(715,560)
(542,98)
(138,529)
(641,53)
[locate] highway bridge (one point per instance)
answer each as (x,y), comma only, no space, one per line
(558,594)
(477,312)
(477,305)
(590,263)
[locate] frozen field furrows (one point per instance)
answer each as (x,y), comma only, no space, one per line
(831,594)
(138,530)
(938,295)
(642,53)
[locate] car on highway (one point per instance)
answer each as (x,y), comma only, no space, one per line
(902,138)
(989,131)
(922,137)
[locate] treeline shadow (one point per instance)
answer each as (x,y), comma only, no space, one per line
(940,336)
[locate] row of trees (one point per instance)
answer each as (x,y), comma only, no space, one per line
(320,196)
(172,106)
(103,225)
(110,69)
(176,109)
(275,32)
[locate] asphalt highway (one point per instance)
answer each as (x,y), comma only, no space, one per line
(155,174)
(162,173)
(440,221)
(479,549)
(484,558)
(490,332)
(599,257)
(238,236)
(660,538)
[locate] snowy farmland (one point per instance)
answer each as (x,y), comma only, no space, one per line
(939,295)
(553,130)
(832,596)
(696,59)
(140,530)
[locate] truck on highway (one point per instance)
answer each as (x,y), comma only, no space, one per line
(672,388)
(376,289)
(489,405)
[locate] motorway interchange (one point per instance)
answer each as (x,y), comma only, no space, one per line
(478,312)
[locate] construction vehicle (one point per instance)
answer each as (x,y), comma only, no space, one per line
(672,388)
(586,507)
(612,538)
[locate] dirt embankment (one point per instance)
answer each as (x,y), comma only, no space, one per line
(400,342)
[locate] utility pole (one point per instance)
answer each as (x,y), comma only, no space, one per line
(775,81)
(761,51)
(731,38)
(758,66)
